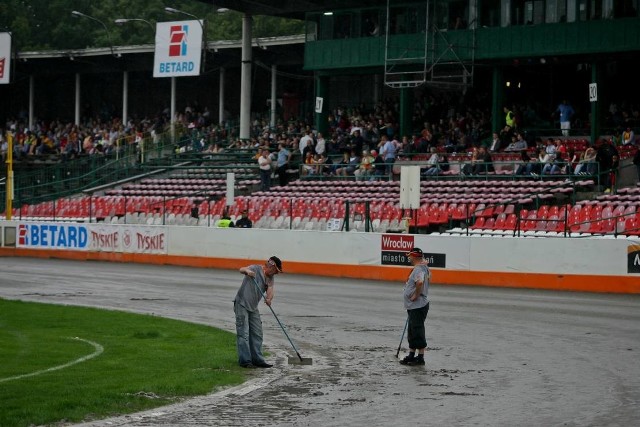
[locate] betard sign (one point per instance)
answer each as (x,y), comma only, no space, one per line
(5,57)
(178,49)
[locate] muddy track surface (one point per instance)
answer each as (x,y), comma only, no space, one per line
(495,357)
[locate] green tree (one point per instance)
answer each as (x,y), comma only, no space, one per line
(48,24)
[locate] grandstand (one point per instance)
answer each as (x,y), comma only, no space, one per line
(373,70)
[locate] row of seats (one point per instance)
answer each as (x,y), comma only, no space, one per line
(588,219)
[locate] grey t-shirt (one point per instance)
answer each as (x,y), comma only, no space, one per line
(248,295)
(419,273)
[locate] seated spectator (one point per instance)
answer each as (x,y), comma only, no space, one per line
(4,148)
(433,164)
(325,165)
(467,169)
(343,163)
(628,137)
(526,165)
(495,143)
(517,143)
(350,168)
(214,149)
(365,169)
(559,165)
(587,163)
(244,221)
(545,161)
(484,165)
(308,165)
(225,220)
(195,211)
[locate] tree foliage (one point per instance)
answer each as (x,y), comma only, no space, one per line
(49,24)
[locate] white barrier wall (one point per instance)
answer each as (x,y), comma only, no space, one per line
(582,256)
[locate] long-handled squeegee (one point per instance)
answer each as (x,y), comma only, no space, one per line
(292,360)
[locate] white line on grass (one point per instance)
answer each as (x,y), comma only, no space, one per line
(98,352)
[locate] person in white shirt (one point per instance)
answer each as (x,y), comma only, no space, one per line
(264,162)
(304,141)
(320,144)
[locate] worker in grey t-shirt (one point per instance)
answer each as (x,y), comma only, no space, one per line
(258,282)
(417,306)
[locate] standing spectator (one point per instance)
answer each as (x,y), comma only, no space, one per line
(388,153)
(565,111)
(379,168)
(264,162)
(258,282)
(606,156)
(509,119)
(417,305)
(282,163)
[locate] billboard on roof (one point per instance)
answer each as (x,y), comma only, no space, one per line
(178,49)
(5,57)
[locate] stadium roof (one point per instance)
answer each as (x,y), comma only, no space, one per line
(291,8)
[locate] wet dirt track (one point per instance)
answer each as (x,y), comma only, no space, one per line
(496,356)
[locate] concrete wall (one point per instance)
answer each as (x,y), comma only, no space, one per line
(587,264)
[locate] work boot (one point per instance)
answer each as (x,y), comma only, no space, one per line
(408,360)
(417,361)
(263,365)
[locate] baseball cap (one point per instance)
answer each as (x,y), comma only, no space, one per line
(374,153)
(416,252)
(274,260)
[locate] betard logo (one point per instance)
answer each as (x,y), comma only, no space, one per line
(53,236)
(633,259)
(178,40)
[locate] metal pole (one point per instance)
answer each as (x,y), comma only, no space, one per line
(221,98)
(173,109)
(77,101)
(272,121)
(9,185)
(125,97)
(31,96)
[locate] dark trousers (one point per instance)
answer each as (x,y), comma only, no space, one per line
(282,174)
(415,329)
(265,180)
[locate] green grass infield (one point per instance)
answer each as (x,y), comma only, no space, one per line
(70,364)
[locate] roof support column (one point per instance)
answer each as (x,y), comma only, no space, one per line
(274,101)
(125,97)
(221,98)
(321,117)
(596,106)
(406,112)
(77,101)
(497,96)
(31,98)
(245,79)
